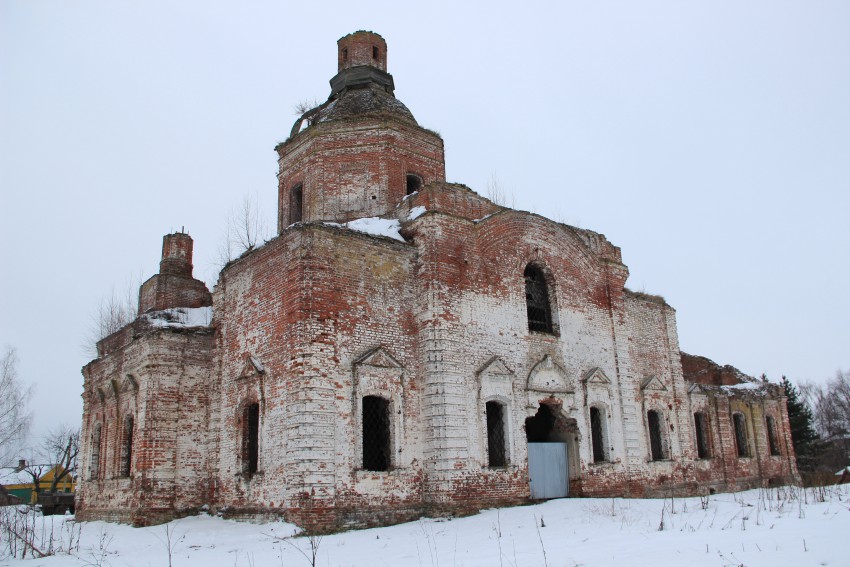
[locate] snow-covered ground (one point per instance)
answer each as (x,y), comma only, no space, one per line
(769,527)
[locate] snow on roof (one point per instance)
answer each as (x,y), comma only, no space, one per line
(375,226)
(180,317)
(842,471)
(744,386)
(416,212)
(9,477)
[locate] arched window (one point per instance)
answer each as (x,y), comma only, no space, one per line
(250,439)
(376,433)
(296,204)
(497,452)
(772,441)
(94,462)
(657,445)
(741,438)
(414,183)
(537,300)
(599,434)
(702,435)
(126,447)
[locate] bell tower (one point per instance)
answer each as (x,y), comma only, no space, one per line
(360,152)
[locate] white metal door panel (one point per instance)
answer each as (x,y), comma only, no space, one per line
(547,470)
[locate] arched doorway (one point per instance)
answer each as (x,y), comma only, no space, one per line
(551,445)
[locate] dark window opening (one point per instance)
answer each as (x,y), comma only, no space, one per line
(375,52)
(597,435)
(496,446)
(345,54)
(701,430)
(94,465)
(296,204)
(656,441)
(538,429)
(251,439)
(741,440)
(537,300)
(414,183)
(771,436)
(126,447)
(376,434)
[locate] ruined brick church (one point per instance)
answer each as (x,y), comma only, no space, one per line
(405,346)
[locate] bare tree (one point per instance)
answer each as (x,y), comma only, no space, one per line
(830,403)
(15,417)
(115,310)
(59,449)
(497,193)
(246,228)
(305,106)
(36,469)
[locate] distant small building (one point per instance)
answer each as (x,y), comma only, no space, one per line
(19,483)
(843,476)
(7,499)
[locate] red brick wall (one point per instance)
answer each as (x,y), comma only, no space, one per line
(355,168)
(161,380)
(358,49)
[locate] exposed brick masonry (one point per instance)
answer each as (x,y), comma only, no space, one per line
(311,323)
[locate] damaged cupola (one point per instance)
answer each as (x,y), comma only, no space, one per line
(359,153)
(174,285)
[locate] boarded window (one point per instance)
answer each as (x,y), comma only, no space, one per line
(496,445)
(250,439)
(94,463)
(773,443)
(126,447)
(376,433)
(598,435)
(701,431)
(741,437)
(296,204)
(537,300)
(656,438)
(414,183)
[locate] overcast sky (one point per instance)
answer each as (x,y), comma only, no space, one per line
(710,140)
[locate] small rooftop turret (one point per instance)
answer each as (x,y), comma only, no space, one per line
(359,153)
(174,285)
(362,48)
(176,255)
(362,60)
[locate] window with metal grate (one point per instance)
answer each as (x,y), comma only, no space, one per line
(126,447)
(773,444)
(496,446)
(251,439)
(701,431)
(741,437)
(94,463)
(537,300)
